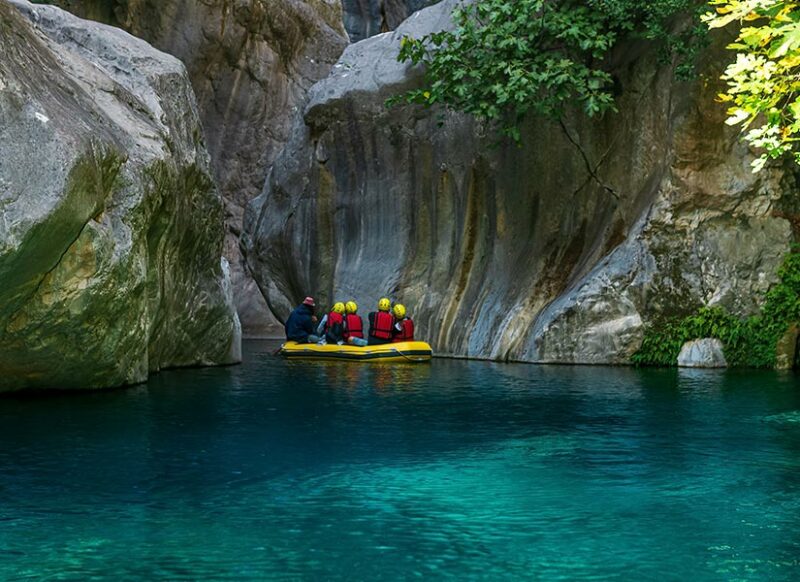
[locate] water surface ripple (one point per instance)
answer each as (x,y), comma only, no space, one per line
(460,470)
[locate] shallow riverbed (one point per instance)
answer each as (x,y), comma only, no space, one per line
(466,470)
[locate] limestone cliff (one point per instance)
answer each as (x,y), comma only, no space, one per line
(559,251)
(365,18)
(111,233)
(251,63)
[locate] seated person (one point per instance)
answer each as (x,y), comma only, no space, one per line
(299,326)
(381,324)
(332,325)
(353,325)
(403,327)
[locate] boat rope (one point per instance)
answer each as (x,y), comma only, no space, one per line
(396,351)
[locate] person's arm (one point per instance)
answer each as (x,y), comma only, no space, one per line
(306,325)
(321,326)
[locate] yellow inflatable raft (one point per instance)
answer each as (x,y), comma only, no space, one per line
(398,352)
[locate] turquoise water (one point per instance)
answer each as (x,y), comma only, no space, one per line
(459,470)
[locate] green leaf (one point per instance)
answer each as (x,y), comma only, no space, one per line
(506,58)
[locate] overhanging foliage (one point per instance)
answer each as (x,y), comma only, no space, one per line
(508,58)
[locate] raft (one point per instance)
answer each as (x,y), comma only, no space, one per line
(397,352)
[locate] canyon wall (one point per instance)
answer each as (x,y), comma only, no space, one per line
(366,18)
(112,229)
(251,63)
(561,250)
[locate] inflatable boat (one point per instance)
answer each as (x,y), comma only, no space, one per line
(397,352)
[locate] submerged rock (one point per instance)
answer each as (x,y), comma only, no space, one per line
(702,353)
(559,251)
(251,63)
(790,418)
(111,235)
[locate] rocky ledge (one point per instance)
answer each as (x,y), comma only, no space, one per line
(112,228)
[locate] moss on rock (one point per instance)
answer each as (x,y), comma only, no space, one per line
(111,263)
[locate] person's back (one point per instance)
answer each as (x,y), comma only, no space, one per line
(381,323)
(334,326)
(403,330)
(353,325)
(299,326)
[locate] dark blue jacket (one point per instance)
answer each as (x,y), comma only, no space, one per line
(299,325)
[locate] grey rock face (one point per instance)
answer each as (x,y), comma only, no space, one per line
(559,251)
(703,353)
(111,233)
(786,350)
(365,18)
(251,63)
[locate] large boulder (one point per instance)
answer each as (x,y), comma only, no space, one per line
(112,230)
(251,63)
(558,251)
(365,18)
(702,353)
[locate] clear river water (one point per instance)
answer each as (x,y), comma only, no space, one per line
(455,470)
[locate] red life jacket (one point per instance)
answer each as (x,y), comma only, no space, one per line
(382,325)
(406,332)
(354,327)
(333,319)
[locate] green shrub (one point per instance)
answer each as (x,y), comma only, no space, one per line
(747,342)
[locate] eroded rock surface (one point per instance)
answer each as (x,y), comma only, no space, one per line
(559,251)
(786,350)
(365,18)
(251,63)
(702,353)
(112,230)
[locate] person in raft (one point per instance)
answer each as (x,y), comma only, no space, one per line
(300,325)
(353,325)
(403,326)
(381,324)
(332,325)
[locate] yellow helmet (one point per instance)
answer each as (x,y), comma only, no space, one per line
(384,304)
(338,308)
(399,311)
(351,307)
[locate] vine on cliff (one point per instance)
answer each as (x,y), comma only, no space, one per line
(747,342)
(508,58)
